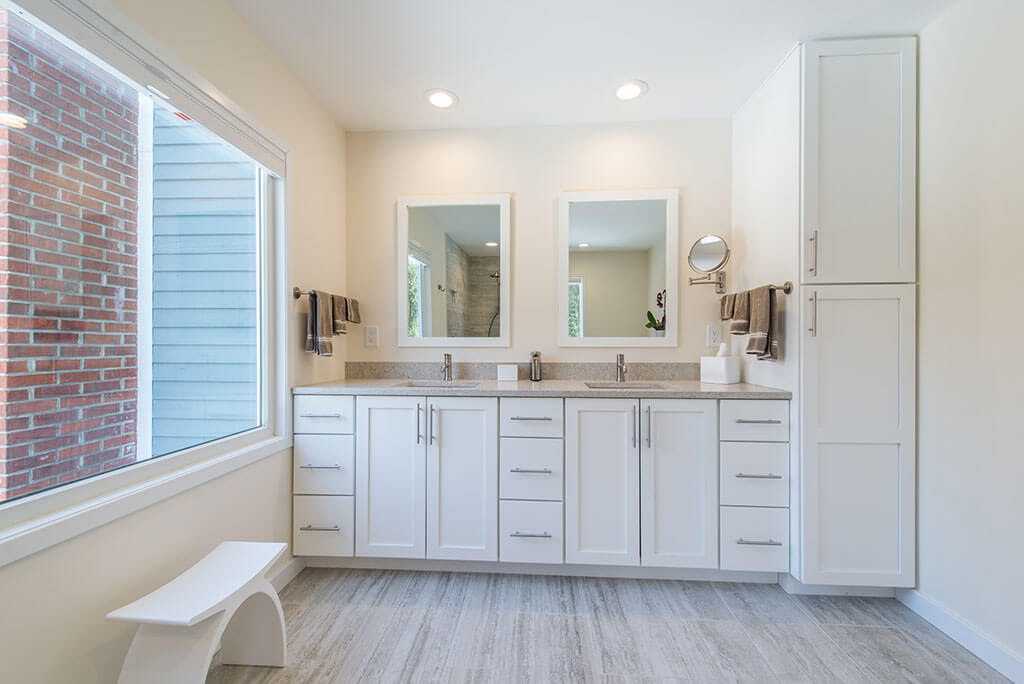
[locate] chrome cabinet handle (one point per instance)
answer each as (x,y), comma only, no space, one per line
(320,528)
(814,315)
(635,427)
(531,418)
(538,535)
(748,476)
(813,239)
(754,542)
(544,471)
(419,433)
(320,415)
(758,421)
(433,437)
(310,466)
(648,410)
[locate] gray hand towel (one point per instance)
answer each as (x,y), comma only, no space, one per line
(728,303)
(760,320)
(340,314)
(353,310)
(319,324)
(741,314)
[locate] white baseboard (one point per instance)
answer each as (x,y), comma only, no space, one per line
(287,573)
(968,635)
(634,572)
(792,585)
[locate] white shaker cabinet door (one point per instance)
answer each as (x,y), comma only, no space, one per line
(860,160)
(858,416)
(679,483)
(602,481)
(390,476)
(462,478)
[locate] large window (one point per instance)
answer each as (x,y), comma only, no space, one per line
(133,262)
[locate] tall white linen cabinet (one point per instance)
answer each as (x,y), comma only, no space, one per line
(857,338)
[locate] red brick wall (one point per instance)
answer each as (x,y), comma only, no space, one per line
(68,265)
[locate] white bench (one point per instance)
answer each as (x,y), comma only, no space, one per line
(224,598)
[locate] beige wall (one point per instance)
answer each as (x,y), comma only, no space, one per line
(53,627)
(534,164)
(614,292)
(970,465)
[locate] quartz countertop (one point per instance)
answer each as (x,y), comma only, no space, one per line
(674,389)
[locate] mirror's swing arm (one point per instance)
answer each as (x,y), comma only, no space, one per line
(717,279)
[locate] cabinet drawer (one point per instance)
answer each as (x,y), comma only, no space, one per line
(531,417)
(531,532)
(754,474)
(755,420)
(324,414)
(323,526)
(323,464)
(755,539)
(531,469)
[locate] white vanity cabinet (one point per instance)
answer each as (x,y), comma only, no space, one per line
(859,161)
(859,456)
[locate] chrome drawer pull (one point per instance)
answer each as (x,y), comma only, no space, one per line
(539,535)
(531,418)
(544,471)
(748,476)
(320,528)
(320,415)
(751,421)
(333,466)
(747,542)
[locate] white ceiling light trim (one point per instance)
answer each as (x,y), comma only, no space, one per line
(630,90)
(441,98)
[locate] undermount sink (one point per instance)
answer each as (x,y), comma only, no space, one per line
(461,384)
(627,385)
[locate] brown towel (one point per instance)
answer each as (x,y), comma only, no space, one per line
(741,314)
(340,314)
(760,320)
(353,310)
(728,303)
(319,324)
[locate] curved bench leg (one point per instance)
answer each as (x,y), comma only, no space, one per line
(256,633)
(162,654)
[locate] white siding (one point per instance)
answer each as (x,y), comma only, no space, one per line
(205,281)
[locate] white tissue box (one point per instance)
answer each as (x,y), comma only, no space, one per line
(721,370)
(508,372)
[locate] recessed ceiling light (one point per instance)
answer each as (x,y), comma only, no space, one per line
(490,244)
(12,120)
(441,98)
(630,90)
(584,244)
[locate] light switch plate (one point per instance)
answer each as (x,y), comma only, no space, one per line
(714,335)
(370,336)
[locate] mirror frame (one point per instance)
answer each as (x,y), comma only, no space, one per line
(671,336)
(725,260)
(402,206)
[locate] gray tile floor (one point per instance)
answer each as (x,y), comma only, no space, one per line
(389,626)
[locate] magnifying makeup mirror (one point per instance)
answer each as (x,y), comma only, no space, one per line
(709,255)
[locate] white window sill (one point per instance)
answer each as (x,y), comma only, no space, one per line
(22,533)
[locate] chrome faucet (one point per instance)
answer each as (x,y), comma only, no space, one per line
(620,368)
(446,368)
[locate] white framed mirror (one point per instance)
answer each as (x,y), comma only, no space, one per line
(452,255)
(618,268)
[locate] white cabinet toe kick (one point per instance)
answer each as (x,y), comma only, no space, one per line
(598,486)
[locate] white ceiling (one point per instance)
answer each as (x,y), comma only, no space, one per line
(615,226)
(470,226)
(519,62)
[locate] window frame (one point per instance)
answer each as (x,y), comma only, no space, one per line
(34,522)
(577,281)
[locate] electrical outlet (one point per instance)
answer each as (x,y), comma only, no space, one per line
(714,335)
(370,336)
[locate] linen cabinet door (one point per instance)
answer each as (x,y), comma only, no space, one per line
(679,483)
(860,160)
(602,481)
(390,476)
(858,413)
(462,478)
